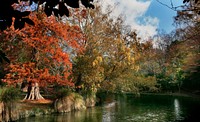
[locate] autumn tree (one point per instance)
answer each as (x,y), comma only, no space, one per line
(180,59)
(187,20)
(40,54)
(110,55)
(20,10)
(191,46)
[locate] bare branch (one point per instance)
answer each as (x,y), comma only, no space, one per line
(172,7)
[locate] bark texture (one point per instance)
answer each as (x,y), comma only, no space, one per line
(33,92)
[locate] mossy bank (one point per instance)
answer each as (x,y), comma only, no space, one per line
(15,110)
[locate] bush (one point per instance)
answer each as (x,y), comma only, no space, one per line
(63,92)
(9,94)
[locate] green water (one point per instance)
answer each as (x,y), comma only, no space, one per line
(127,108)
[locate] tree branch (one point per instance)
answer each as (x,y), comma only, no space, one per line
(172,7)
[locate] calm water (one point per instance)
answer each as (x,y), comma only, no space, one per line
(127,108)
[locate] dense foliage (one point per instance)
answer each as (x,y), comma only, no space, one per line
(10,94)
(111,57)
(86,54)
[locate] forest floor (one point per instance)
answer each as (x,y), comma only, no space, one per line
(41,101)
(31,104)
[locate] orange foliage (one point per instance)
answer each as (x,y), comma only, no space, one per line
(30,73)
(53,41)
(48,35)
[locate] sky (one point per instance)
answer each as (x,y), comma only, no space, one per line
(146,16)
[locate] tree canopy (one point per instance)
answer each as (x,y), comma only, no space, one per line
(41,54)
(90,50)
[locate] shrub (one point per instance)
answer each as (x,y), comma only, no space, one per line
(9,94)
(63,92)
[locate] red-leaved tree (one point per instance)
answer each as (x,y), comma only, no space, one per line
(41,54)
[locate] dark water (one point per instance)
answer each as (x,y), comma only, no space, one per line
(127,108)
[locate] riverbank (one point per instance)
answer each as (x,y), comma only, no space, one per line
(18,110)
(125,107)
(73,102)
(12,111)
(182,94)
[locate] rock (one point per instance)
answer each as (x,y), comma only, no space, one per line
(1,111)
(9,112)
(64,105)
(90,102)
(14,112)
(6,114)
(69,103)
(79,104)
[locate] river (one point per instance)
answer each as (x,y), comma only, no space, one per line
(128,108)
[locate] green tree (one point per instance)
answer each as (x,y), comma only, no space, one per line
(111,52)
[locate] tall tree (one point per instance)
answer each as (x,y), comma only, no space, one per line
(44,49)
(111,50)
(189,18)
(40,54)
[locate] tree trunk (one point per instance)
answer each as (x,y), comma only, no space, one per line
(33,92)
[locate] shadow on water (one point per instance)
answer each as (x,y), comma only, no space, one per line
(127,108)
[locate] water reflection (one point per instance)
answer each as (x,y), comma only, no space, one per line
(177,109)
(149,108)
(109,110)
(107,116)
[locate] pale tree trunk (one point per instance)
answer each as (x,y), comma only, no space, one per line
(33,92)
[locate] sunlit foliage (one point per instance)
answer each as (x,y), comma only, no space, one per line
(41,53)
(109,61)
